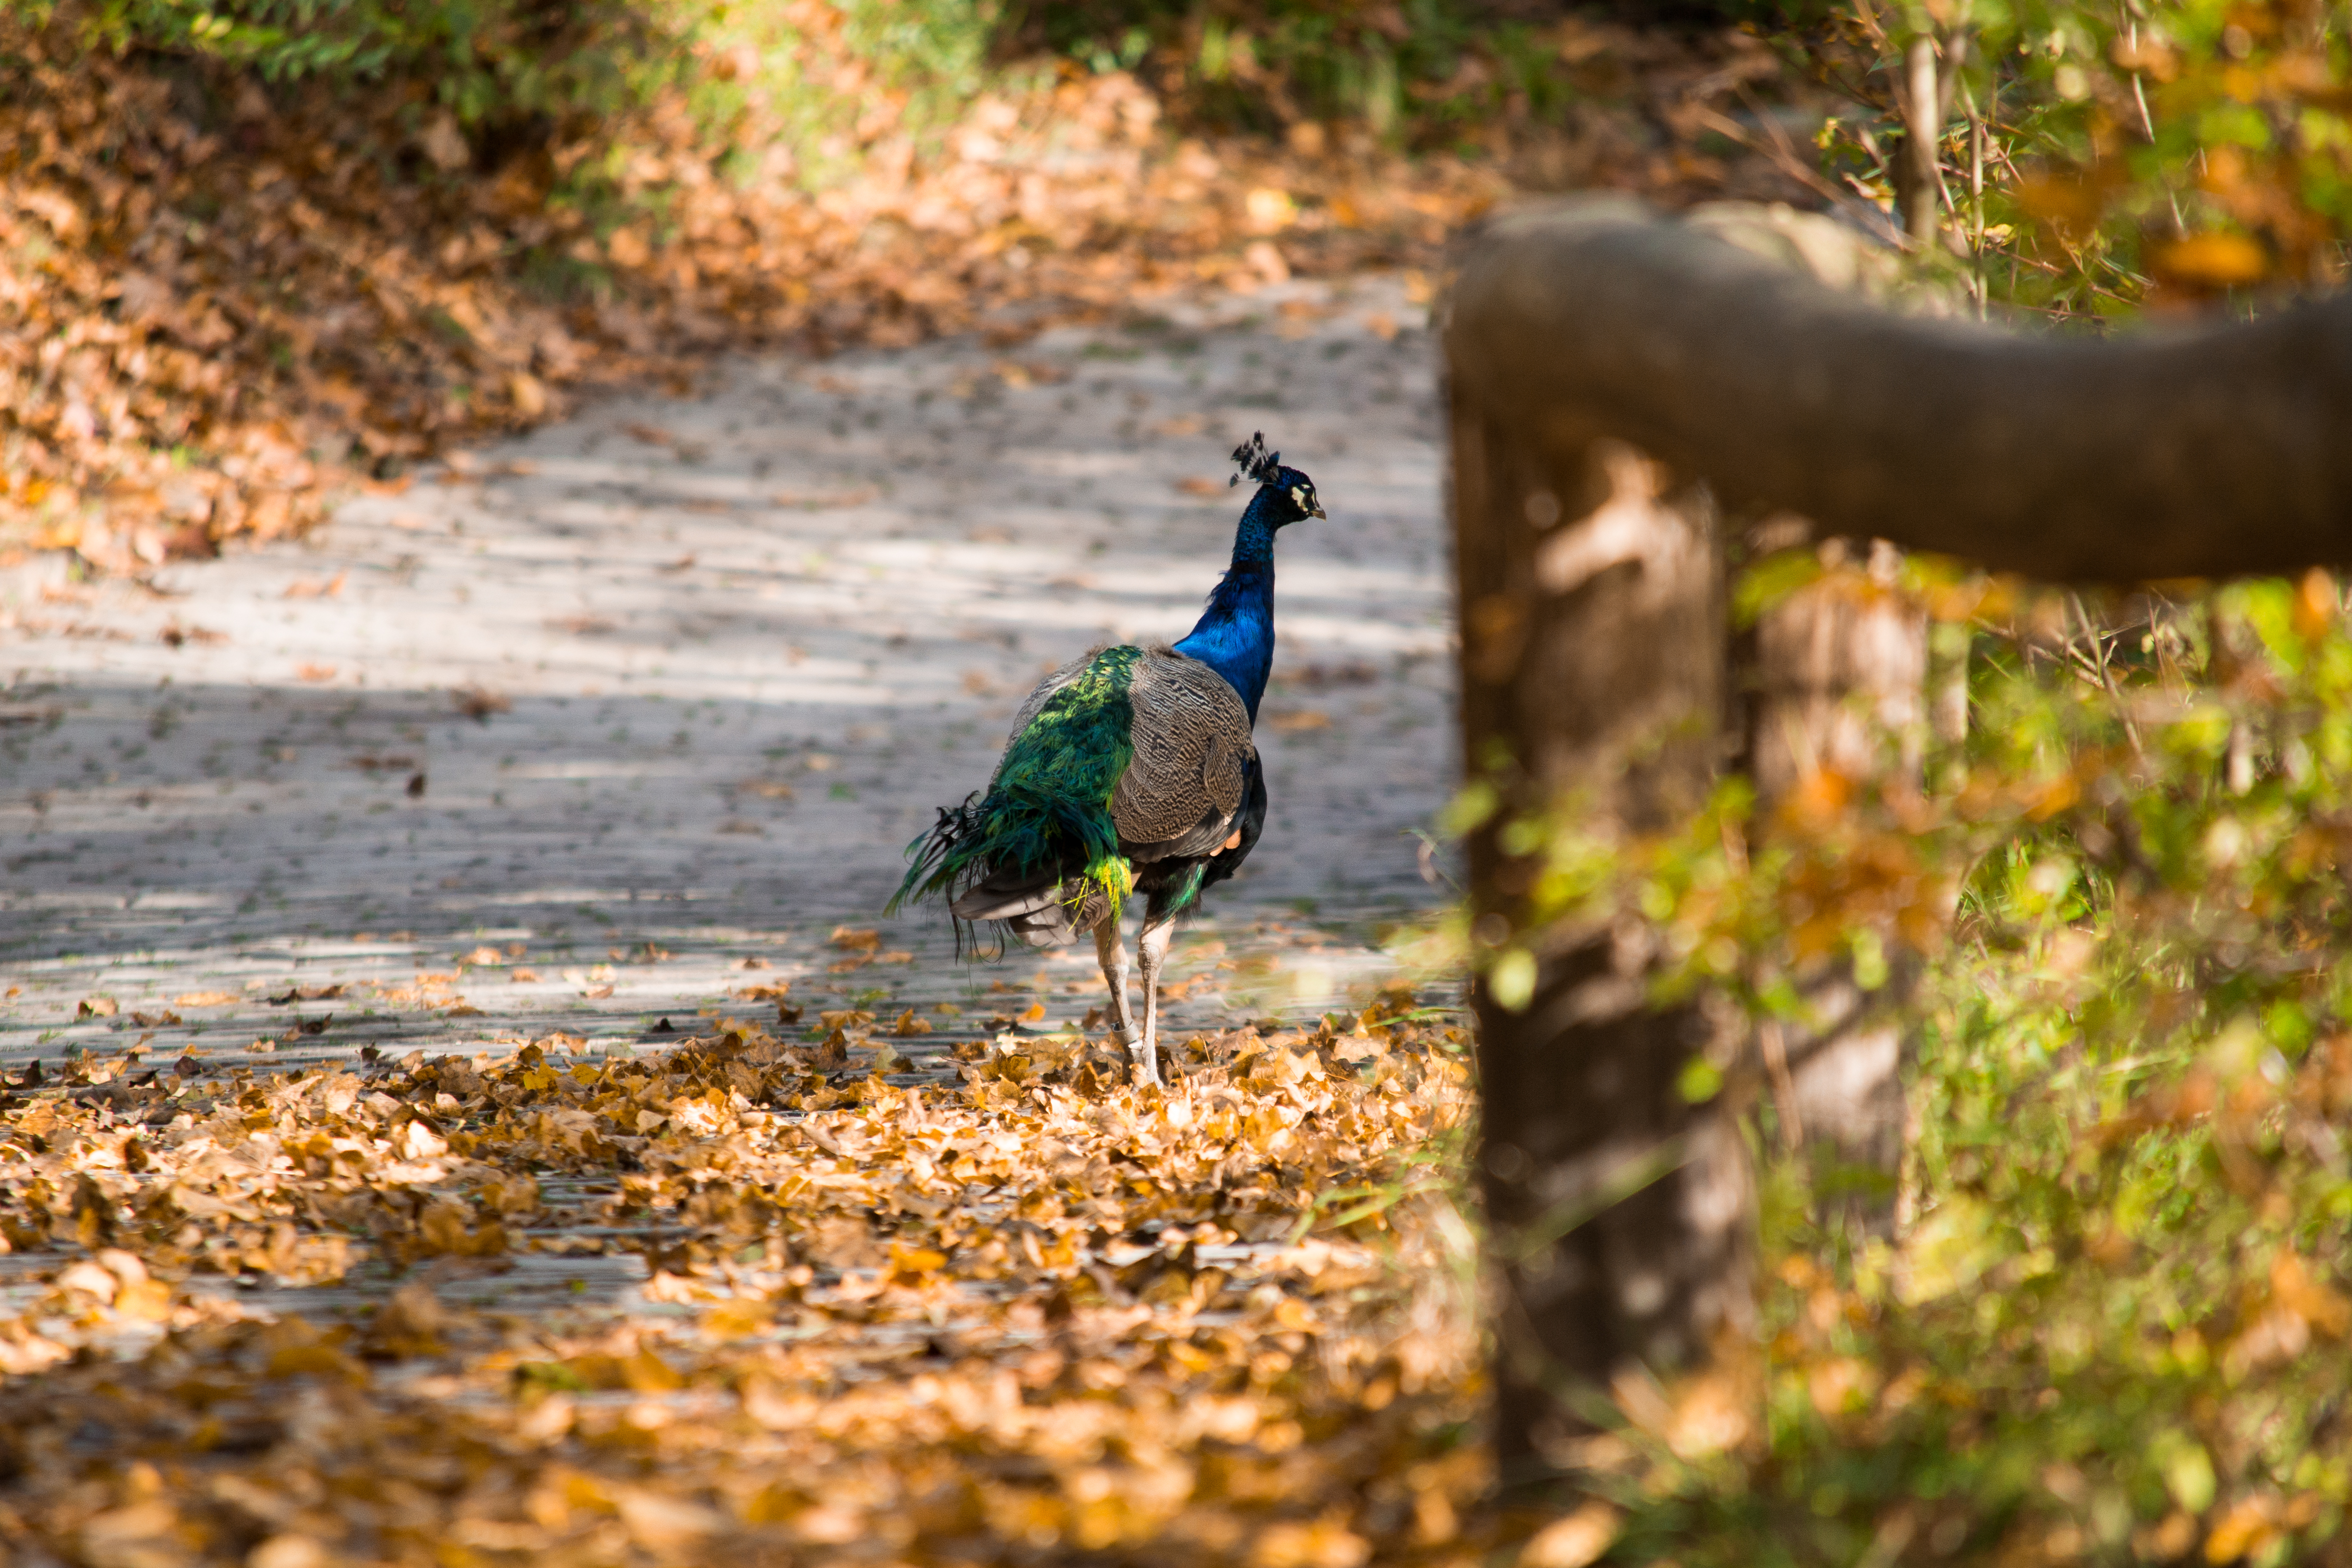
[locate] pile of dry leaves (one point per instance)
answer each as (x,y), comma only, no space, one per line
(1010,1310)
(202,329)
(218,303)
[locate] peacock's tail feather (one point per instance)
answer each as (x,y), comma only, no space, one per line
(1048,813)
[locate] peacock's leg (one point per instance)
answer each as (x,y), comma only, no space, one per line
(1112,950)
(1151,951)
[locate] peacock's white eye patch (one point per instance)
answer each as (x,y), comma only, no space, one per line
(1298,495)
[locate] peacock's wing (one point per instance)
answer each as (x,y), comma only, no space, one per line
(1045,831)
(1188,778)
(1177,885)
(1228,860)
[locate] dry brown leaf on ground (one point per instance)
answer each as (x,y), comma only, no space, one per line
(1124,1334)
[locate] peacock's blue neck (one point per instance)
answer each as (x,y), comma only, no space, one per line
(1235,635)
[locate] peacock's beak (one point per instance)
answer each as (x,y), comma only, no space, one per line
(1314,509)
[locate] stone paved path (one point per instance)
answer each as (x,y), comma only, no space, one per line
(568,735)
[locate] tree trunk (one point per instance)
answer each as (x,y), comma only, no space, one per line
(1622,1215)
(1835,678)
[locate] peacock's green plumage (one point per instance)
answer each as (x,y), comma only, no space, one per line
(1050,801)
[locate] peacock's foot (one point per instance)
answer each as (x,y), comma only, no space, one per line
(1140,1059)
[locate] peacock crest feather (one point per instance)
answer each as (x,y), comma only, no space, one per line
(1255,463)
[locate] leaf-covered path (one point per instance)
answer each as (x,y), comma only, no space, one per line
(478,1117)
(725,654)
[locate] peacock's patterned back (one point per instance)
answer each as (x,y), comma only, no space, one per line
(1192,741)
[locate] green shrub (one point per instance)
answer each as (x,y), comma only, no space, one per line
(2114,1324)
(487,61)
(2102,156)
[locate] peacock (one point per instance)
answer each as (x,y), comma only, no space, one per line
(1130,769)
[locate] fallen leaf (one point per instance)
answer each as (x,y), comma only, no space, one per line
(1573,1541)
(1269,210)
(478,702)
(2212,260)
(178,635)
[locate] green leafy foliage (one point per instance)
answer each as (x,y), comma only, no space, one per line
(1422,73)
(2112,1325)
(486,60)
(2098,157)
(1269,65)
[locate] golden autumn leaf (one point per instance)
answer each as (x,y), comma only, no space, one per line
(2212,260)
(1573,1541)
(2247,1528)
(645,1373)
(2072,203)
(2316,599)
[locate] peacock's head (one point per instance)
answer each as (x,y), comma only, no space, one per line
(1294,491)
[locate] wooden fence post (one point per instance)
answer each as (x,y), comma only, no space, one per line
(1621,1214)
(1594,663)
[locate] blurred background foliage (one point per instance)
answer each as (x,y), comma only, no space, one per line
(2109,1324)
(491,63)
(2092,156)
(2098,158)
